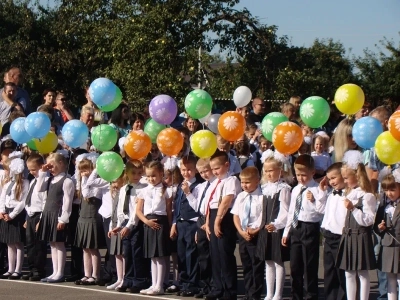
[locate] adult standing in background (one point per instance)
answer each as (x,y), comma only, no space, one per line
(14,75)
(258,113)
(61,109)
(7,100)
(296,101)
(100,117)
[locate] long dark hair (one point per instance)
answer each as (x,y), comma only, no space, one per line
(117,115)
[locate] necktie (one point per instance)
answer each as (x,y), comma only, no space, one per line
(9,188)
(127,198)
(203,195)
(297,207)
(246,214)
(337,192)
(29,196)
(211,196)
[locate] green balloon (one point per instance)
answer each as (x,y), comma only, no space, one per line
(109,166)
(198,104)
(115,103)
(152,128)
(104,137)
(269,123)
(314,111)
(31,144)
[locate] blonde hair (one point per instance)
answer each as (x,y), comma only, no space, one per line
(340,143)
(83,165)
(362,178)
(19,180)
(286,170)
(58,159)
(323,140)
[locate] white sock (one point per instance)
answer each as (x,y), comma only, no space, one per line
(87,263)
(61,257)
(365,284)
(96,263)
(351,284)
(20,257)
(270,275)
(392,286)
(119,262)
(54,259)
(280,281)
(154,271)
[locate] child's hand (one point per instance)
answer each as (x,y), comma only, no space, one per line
(310,196)
(125,232)
(185,187)
(217,230)
(270,227)
(195,237)
(251,231)
(60,226)
(208,231)
(25,224)
(85,174)
(348,204)
(173,233)
(153,224)
(382,226)
(323,185)
(285,242)
(7,217)
(245,235)
(47,167)
(1,216)
(37,226)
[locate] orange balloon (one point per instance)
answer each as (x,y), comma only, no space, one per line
(231,126)
(170,141)
(287,137)
(137,144)
(394,125)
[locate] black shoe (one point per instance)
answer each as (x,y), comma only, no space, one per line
(199,295)
(15,276)
(36,278)
(73,278)
(133,290)
(121,289)
(27,276)
(187,294)
(100,282)
(81,281)
(172,289)
(212,297)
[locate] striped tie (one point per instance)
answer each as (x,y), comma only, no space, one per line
(297,207)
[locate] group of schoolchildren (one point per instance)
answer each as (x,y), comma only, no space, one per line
(193,212)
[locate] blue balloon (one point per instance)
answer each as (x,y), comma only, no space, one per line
(75,133)
(102,91)
(365,132)
(18,132)
(37,125)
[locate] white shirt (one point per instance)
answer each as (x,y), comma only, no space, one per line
(155,202)
(105,209)
(366,216)
(69,192)
(309,211)
(322,160)
(256,208)
(38,200)
(191,204)
(270,189)
(335,214)
(194,197)
(94,186)
(10,201)
(234,166)
(229,186)
(132,217)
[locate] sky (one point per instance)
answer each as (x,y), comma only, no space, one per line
(358,24)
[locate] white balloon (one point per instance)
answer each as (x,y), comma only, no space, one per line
(204,119)
(242,96)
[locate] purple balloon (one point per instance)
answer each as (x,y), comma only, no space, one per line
(163,109)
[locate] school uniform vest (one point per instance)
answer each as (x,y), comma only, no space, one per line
(392,228)
(183,209)
(55,194)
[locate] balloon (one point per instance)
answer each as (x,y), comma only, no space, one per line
(287,138)
(170,141)
(37,125)
(137,144)
(387,148)
(104,137)
(115,103)
(18,132)
(204,119)
(394,125)
(269,123)
(198,103)
(75,133)
(365,131)
(212,123)
(152,129)
(315,111)
(47,144)
(32,145)
(163,109)
(242,96)
(203,143)
(349,98)
(231,126)
(109,166)
(102,91)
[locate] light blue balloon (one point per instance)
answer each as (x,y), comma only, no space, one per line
(365,132)
(37,125)
(75,133)
(18,132)
(102,91)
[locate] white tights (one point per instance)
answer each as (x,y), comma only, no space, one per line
(120,264)
(91,263)
(158,269)
(393,282)
(275,273)
(351,284)
(15,257)
(58,257)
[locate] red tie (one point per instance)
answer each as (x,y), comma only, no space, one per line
(211,196)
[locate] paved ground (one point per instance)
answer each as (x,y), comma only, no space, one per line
(11,290)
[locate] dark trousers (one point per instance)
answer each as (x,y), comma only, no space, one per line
(35,248)
(3,255)
(334,278)
(76,266)
(223,261)
(137,268)
(253,268)
(204,258)
(304,256)
(187,254)
(110,268)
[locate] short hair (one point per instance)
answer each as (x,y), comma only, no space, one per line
(262,138)
(10,84)
(58,158)
(221,156)
(15,115)
(335,167)
(87,109)
(306,161)
(35,158)
(388,182)
(49,90)
(184,130)
(285,106)
(292,98)
(252,126)
(250,173)
(133,164)
(242,148)
(137,116)
(203,163)
(382,111)
(187,160)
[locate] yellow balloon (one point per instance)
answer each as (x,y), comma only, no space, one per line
(203,143)
(387,148)
(349,98)
(47,144)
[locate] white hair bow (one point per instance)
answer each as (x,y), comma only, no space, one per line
(17,166)
(352,158)
(15,154)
